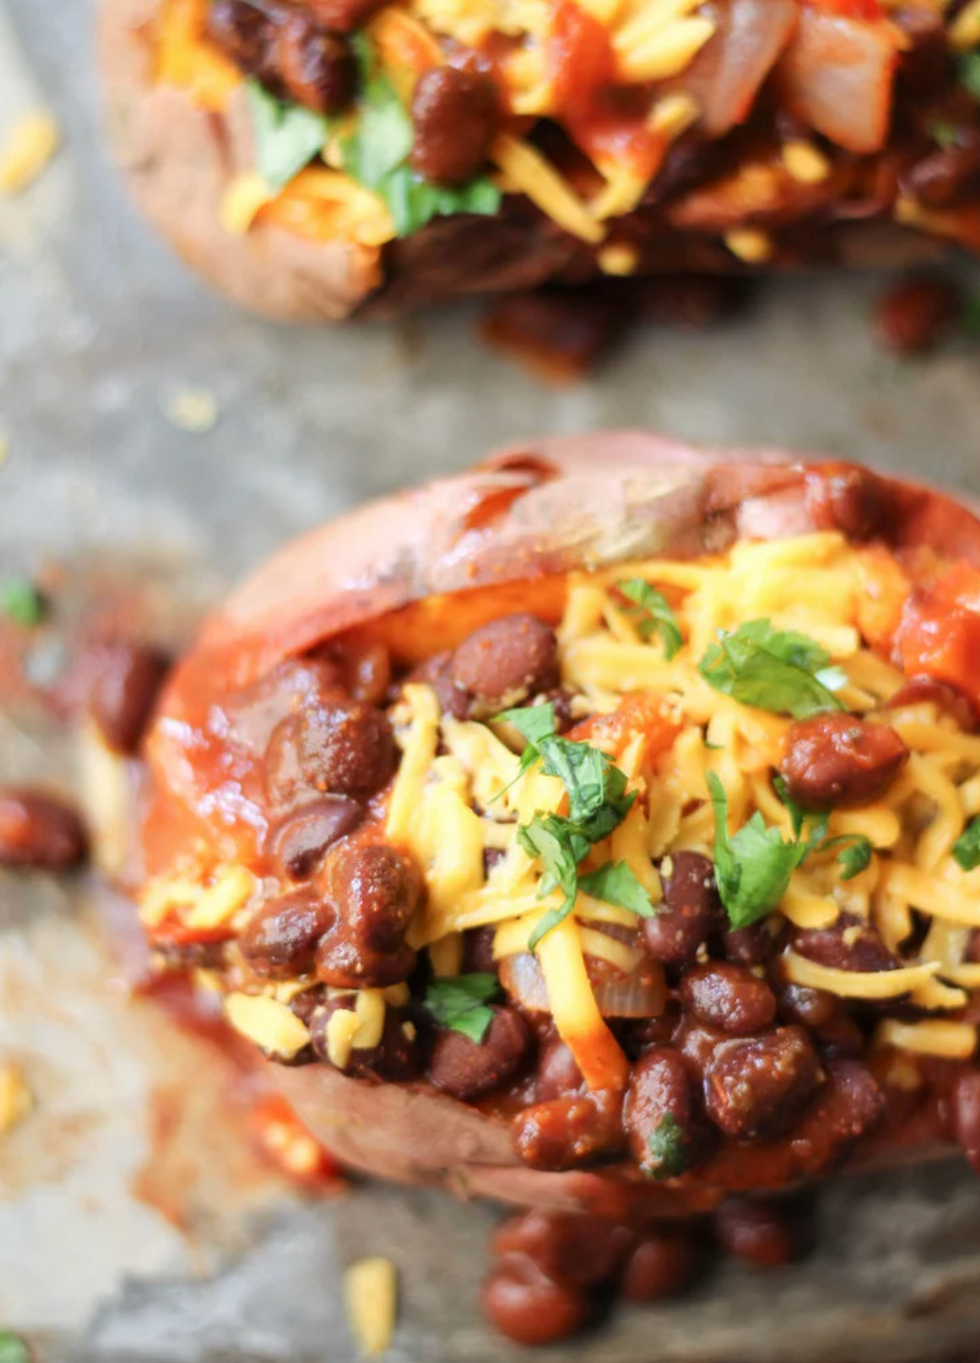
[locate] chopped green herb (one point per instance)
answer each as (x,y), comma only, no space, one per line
(668,1148)
(714,747)
(651,614)
(21,602)
(776,670)
(461,1003)
(966,848)
(550,840)
(375,154)
(970,317)
(944,134)
(534,723)
(970,73)
(753,867)
(798,815)
(13,1349)
(615,883)
(597,804)
(287,136)
(855,856)
(856,849)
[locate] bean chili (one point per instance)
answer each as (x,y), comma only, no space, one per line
(740,1071)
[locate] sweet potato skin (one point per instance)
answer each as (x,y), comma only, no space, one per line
(179,160)
(421,569)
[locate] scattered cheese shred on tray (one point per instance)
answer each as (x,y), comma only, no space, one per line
(371,1296)
(27,150)
(194,410)
(15,1098)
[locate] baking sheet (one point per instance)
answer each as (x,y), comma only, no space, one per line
(135,1224)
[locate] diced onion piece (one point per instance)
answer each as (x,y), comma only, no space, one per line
(838,76)
(954,1040)
(371,1297)
(728,73)
(576,1012)
(270,1024)
(640,994)
(857,984)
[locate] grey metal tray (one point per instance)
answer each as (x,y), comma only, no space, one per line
(99,331)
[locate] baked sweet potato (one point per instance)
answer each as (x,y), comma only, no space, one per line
(313,160)
(293,844)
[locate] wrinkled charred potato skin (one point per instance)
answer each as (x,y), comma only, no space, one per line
(503,534)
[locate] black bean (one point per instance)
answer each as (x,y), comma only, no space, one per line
(507,660)
(127,680)
(396,1058)
(756,1232)
(689,911)
(567,1133)
(529,1307)
(840,759)
(455,115)
(281,938)
(966,1115)
(659,1113)
(467,1069)
(660,1266)
(377,889)
(582,1251)
(728,997)
(39,831)
(300,843)
(848,944)
(331,745)
(754,1087)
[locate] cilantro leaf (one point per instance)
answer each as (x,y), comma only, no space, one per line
(856,849)
(753,867)
(855,857)
(945,135)
(970,319)
(13,1349)
(21,602)
(460,1003)
(668,1148)
(969,64)
(615,883)
(776,670)
(287,136)
(966,848)
(651,614)
(597,804)
(798,816)
(534,723)
(375,154)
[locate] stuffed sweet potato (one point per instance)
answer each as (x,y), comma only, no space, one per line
(596,829)
(313,157)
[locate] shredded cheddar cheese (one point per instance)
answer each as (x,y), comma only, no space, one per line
(460,796)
